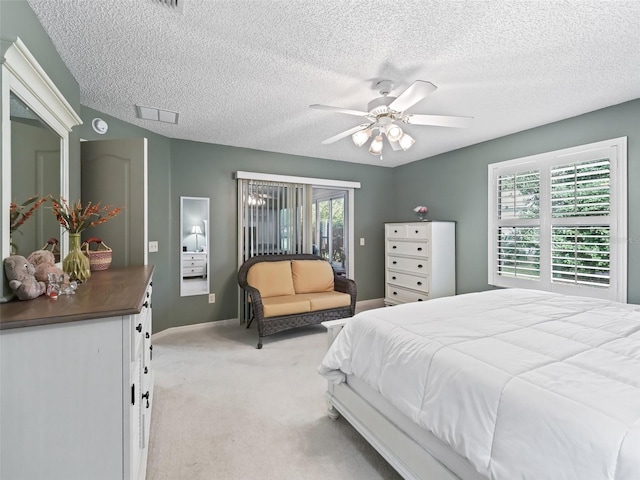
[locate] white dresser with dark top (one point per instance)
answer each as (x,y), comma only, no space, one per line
(194,264)
(420,261)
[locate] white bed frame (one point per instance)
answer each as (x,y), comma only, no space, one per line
(403,453)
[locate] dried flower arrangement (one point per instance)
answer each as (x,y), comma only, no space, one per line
(75,218)
(18,214)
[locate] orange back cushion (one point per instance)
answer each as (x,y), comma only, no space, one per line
(273,279)
(311,276)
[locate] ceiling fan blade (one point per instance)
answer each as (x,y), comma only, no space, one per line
(438,120)
(339,110)
(346,133)
(412,95)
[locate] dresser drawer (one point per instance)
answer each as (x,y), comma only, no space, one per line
(194,256)
(414,265)
(416,249)
(418,231)
(193,271)
(410,281)
(396,231)
(401,295)
(193,263)
(139,324)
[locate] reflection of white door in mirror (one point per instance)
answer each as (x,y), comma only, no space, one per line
(24,79)
(194,243)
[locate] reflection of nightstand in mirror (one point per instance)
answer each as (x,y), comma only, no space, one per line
(194,264)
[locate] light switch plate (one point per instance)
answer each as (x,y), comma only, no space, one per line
(362,241)
(212,298)
(153,247)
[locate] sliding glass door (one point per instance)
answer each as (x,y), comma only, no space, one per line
(329,217)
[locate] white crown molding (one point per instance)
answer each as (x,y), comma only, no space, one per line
(26,70)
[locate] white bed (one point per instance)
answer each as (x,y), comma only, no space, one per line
(507,384)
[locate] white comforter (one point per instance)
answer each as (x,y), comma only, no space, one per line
(525,384)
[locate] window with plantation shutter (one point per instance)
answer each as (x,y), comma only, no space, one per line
(558,221)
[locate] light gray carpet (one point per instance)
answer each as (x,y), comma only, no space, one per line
(225,410)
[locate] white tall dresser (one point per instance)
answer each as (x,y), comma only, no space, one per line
(420,261)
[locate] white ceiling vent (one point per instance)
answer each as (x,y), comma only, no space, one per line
(172,4)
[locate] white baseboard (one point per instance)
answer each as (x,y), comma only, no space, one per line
(363,305)
(195,326)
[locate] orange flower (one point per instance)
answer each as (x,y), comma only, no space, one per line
(18,214)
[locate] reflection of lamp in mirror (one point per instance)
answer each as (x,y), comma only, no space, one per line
(196,230)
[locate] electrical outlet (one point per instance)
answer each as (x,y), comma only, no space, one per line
(153,247)
(212,298)
(362,241)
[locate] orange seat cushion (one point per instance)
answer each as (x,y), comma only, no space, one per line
(326,300)
(285,305)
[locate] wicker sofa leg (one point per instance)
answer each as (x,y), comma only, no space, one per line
(259,343)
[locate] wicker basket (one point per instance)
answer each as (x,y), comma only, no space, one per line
(53,246)
(99,259)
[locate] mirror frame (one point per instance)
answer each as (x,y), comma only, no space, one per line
(207,250)
(23,75)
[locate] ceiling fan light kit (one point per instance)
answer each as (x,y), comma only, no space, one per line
(376,146)
(384,111)
(361,137)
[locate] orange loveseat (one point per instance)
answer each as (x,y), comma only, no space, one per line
(289,291)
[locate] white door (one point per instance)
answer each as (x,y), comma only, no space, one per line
(114,172)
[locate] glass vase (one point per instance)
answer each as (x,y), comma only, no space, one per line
(76,263)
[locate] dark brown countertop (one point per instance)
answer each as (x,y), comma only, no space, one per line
(109,293)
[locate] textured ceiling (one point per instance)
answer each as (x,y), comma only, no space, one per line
(243,73)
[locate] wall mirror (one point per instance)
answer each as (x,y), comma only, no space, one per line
(35,170)
(36,121)
(194,244)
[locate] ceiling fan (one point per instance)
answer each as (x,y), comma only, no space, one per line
(383,113)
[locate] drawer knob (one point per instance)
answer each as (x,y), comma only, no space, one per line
(419,249)
(146,370)
(395,231)
(395,293)
(139,327)
(146,396)
(394,262)
(146,334)
(393,278)
(419,283)
(416,231)
(145,304)
(419,299)
(395,246)
(419,266)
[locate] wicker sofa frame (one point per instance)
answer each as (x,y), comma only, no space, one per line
(270,325)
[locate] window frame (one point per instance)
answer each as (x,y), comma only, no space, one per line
(616,151)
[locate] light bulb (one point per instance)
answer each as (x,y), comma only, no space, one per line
(376,146)
(406,141)
(360,138)
(394,132)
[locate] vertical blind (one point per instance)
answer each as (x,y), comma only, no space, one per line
(271,219)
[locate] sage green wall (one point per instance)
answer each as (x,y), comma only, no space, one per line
(454,185)
(206,170)
(185,168)
(160,207)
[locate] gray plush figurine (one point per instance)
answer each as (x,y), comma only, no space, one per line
(21,276)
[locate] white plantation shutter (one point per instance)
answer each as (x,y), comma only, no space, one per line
(557,221)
